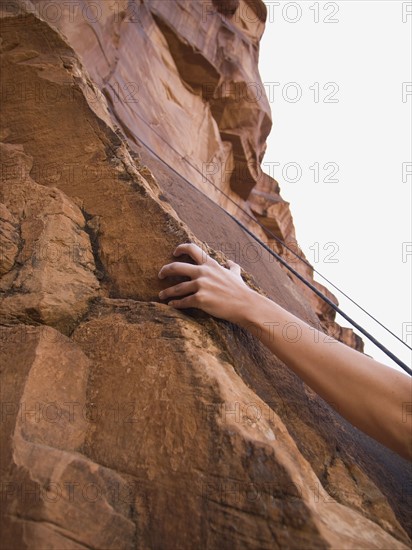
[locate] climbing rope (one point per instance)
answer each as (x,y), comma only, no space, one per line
(274,254)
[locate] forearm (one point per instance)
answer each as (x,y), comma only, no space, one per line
(369,394)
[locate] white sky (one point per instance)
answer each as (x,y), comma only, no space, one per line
(366,133)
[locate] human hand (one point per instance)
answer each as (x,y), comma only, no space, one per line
(219,291)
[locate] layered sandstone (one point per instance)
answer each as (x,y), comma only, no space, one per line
(127,424)
(196,99)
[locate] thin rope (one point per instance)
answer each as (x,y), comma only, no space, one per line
(267,230)
(277,256)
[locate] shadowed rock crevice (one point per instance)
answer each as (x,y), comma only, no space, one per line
(193,67)
(227,7)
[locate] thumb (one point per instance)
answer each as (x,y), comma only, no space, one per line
(234,267)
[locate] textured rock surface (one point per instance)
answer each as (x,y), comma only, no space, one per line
(48,266)
(126,424)
(50,488)
(198,79)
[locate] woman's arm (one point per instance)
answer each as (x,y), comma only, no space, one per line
(373,397)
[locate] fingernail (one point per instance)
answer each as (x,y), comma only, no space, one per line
(159,275)
(160,293)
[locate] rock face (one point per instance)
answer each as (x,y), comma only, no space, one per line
(125,423)
(48,270)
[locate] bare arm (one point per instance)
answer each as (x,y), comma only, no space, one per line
(372,396)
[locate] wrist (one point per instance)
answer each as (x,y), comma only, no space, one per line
(248,311)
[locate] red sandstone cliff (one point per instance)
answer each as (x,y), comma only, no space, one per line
(127,424)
